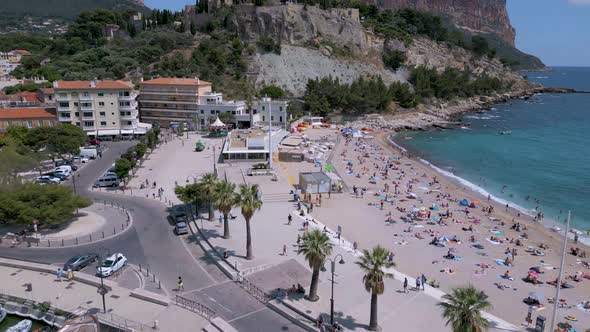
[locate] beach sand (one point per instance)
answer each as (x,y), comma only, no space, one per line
(363,221)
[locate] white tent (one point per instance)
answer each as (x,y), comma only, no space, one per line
(217,123)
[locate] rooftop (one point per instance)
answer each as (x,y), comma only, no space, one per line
(25,113)
(176,81)
(100,85)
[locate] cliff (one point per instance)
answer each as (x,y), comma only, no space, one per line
(317,43)
(487,16)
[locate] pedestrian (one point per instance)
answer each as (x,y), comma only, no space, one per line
(418,283)
(154,195)
(405,285)
(354,245)
(70,273)
(298,239)
(423,279)
(220,220)
(284,250)
(59,274)
(289,219)
(310,207)
(180,284)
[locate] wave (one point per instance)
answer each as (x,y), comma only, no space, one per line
(482,117)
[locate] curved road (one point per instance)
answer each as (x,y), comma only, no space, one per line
(151,241)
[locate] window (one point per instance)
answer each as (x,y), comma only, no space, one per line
(101,103)
(30,123)
(88,114)
(101,94)
(88,123)
(76,103)
(74,94)
(212,112)
(281,118)
(202,111)
(124,104)
(123,93)
(113,123)
(86,94)
(263,108)
(272,118)
(280,108)
(217,112)
(103,123)
(63,95)
(233,112)
(65,115)
(77,114)
(102,114)
(64,104)
(78,124)
(263,118)
(129,123)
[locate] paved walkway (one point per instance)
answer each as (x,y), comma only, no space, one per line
(70,296)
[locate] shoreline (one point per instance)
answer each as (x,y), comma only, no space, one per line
(466,185)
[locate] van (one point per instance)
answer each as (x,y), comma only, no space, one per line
(107,181)
(66,168)
(88,153)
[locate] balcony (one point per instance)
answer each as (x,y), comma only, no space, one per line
(82,97)
(65,109)
(128,108)
(64,119)
(88,127)
(88,117)
(132,116)
(87,108)
(169,92)
(127,98)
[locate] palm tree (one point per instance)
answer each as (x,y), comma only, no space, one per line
(208,183)
(462,309)
(249,202)
(373,263)
(316,247)
(225,198)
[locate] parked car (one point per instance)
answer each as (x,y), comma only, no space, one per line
(68,168)
(111,265)
(81,159)
(180,228)
(89,153)
(109,173)
(63,172)
(107,181)
(50,178)
(81,261)
(58,175)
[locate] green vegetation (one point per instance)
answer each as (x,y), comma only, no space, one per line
(315,247)
(249,202)
(452,83)
(122,167)
(272,91)
(225,198)
(140,150)
(227,118)
(393,59)
(463,309)
(28,87)
(361,97)
(48,204)
(268,44)
(373,263)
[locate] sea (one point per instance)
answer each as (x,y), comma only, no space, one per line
(531,154)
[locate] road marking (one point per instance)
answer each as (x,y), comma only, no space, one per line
(181,239)
(248,314)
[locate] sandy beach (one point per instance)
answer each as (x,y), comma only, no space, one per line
(476,243)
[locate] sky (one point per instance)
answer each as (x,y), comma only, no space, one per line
(557,31)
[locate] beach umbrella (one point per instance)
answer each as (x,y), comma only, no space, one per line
(537,295)
(533,274)
(434,207)
(329,167)
(464,202)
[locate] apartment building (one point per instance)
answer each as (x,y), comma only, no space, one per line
(26,117)
(166,101)
(267,108)
(100,108)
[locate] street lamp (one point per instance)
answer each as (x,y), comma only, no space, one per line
(102,290)
(333,268)
(214,163)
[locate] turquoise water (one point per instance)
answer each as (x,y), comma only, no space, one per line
(546,157)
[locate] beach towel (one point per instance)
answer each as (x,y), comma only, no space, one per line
(581,307)
(492,242)
(503,277)
(478,246)
(500,262)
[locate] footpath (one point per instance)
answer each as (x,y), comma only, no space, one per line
(137,309)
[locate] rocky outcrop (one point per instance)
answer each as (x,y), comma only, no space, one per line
(488,16)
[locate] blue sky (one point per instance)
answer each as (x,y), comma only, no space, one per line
(557,31)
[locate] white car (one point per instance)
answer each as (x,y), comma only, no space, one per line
(47,178)
(81,159)
(111,265)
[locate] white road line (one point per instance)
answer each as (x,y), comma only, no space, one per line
(248,314)
(181,239)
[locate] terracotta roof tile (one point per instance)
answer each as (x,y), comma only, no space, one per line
(176,81)
(99,85)
(30,97)
(47,91)
(25,113)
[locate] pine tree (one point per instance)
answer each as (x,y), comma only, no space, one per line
(193,28)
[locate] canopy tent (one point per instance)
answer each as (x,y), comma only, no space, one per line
(217,128)
(217,123)
(464,202)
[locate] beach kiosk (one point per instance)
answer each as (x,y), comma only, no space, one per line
(315,183)
(218,129)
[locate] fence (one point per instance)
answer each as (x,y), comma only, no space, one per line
(254,290)
(195,307)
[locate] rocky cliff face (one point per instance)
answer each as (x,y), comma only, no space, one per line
(472,15)
(317,43)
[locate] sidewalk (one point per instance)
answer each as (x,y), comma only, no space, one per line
(121,306)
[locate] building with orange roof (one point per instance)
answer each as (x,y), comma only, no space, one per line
(101,108)
(28,117)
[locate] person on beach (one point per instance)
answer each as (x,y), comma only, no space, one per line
(405,285)
(418,283)
(180,284)
(70,274)
(284,250)
(423,279)
(59,274)
(289,219)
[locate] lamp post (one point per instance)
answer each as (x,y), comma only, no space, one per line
(333,268)
(567,225)
(214,163)
(269,132)
(102,290)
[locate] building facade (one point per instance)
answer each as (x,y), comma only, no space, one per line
(100,108)
(26,117)
(166,101)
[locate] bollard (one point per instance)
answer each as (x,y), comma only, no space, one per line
(148,270)
(154,275)
(38,243)
(159,285)
(90,237)
(62,242)
(114,230)
(122,226)
(105,202)
(139,267)
(76,240)
(48,243)
(28,243)
(111,204)
(103,234)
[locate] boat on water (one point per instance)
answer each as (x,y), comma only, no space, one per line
(3,314)
(506,132)
(22,326)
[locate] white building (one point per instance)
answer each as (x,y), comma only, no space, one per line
(100,108)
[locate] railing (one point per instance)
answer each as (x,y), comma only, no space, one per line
(87,107)
(127,107)
(254,290)
(126,98)
(195,307)
(82,97)
(64,119)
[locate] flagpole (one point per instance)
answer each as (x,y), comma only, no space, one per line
(555,303)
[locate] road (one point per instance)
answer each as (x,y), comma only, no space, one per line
(151,242)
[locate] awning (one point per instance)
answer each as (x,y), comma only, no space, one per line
(217,123)
(108,132)
(91,133)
